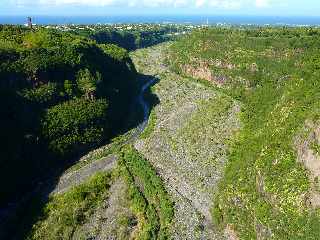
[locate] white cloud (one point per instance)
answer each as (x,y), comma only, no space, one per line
(200,3)
(218,4)
(262,3)
(229,4)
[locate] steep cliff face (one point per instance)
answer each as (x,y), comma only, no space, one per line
(307,144)
(203,71)
(207,69)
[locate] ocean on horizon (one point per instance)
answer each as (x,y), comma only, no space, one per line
(178,19)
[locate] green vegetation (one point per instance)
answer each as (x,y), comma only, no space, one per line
(117,52)
(151,125)
(129,40)
(149,199)
(316,148)
(129,36)
(274,72)
(152,100)
(113,147)
(74,123)
(61,95)
(69,215)
(205,120)
(64,94)
(65,212)
(44,94)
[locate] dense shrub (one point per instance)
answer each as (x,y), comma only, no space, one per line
(60,93)
(44,94)
(148,195)
(75,123)
(129,40)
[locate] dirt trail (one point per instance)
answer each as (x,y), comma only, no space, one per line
(187,147)
(77,177)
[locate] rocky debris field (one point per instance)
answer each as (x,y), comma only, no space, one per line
(113,219)
(188,145)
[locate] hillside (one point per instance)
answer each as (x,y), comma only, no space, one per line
(61,95)
(270,188)
(212,136)
(161,187)
(130,37)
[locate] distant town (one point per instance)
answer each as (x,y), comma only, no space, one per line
(171,29)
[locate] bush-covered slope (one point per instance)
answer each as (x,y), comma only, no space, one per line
(270,187)
(61,94)
(149,199)
(130,37)
(129,40)
(64,213)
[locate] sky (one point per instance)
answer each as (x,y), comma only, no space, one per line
(156,7)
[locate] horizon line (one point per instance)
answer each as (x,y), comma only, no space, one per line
(161,14)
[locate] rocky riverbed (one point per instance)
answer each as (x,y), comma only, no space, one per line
(188,145)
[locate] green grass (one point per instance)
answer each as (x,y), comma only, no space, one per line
(149,199)
(151,125)
(151,98)
(316,148)
(65,212)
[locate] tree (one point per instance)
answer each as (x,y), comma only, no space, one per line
(87,83)
(75,123)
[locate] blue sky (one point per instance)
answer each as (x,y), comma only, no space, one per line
(120,7)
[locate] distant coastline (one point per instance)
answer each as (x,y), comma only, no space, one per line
(178,19)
